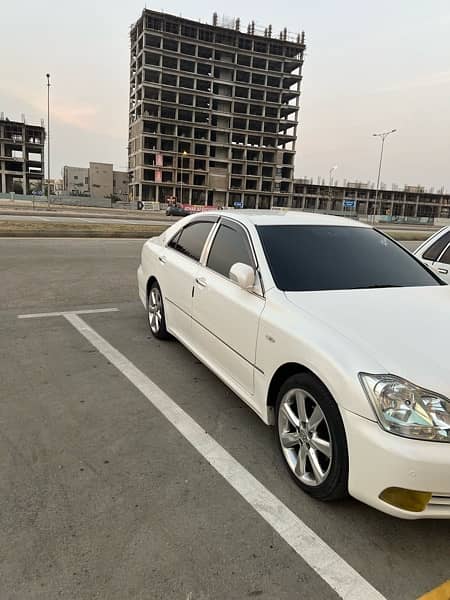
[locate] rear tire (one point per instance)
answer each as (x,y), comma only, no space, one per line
(156,314)
(311,437)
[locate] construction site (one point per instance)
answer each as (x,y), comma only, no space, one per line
(21,156)
(213,112)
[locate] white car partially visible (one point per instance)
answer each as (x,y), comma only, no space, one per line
(435,252)
(330,331)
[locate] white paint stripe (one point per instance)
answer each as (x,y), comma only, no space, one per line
(339,575)
(67,312)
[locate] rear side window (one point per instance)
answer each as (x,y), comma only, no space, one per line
(445,258)
(230,246)
(435,249)
(191,239)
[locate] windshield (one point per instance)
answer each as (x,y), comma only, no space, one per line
(313,258)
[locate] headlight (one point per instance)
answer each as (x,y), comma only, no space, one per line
(406,409)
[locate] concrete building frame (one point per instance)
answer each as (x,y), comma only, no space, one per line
(409,202)
(21,157)
(213,115)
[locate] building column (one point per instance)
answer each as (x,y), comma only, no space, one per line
(2,162)
(3,177)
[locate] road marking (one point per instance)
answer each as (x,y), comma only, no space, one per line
(67,312)
(333,569)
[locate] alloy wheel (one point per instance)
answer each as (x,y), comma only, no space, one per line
(155,310)
(305,437)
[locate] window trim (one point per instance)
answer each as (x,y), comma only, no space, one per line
(209,243)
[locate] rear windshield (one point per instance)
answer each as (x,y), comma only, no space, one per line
(312,258)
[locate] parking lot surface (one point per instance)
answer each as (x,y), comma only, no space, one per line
(102,495)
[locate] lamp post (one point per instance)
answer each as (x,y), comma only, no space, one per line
(329,183)
(48,140)
(383,137)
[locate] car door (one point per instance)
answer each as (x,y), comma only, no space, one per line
(225,316)
(442,265)
(430,252)
(179,263)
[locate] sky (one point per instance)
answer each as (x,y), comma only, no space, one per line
(370,66)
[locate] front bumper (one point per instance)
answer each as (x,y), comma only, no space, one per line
(380,460)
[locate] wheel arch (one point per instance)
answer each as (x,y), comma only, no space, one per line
(150,282)
(279,377)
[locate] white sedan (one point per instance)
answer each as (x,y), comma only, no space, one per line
(435,252)
(328,330)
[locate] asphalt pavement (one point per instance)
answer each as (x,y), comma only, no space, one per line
(102,497)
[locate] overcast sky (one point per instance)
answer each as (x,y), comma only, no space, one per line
(369,66)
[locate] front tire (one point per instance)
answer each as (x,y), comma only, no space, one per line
(311,437)
(156,314)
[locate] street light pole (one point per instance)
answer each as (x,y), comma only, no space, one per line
(48,140)
(383,137)
(329,184)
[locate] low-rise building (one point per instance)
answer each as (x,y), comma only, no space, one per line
(359,198)
(76,181)
(99,180)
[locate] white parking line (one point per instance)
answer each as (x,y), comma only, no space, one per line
(67,312)
(333,569)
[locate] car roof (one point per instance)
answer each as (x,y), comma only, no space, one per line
(284,217)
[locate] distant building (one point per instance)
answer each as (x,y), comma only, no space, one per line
(120,184)
(21,156)
(99,180)
(412,201)
(56,186)
(76,181)
(213,111)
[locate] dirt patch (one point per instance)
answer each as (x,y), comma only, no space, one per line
(95,230)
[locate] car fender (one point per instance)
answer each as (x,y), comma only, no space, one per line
(289,335)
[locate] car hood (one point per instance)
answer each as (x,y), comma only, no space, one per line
(407,330)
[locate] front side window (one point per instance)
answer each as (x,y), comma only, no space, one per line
(190,240)
(445,258)
(318,257)
(230,246)
(433,252)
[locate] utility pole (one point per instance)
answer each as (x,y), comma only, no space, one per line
(48,140)
(383,136)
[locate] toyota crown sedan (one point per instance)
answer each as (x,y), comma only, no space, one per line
(331,332)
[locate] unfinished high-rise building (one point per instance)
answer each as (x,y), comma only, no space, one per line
(213,112)
(21,156)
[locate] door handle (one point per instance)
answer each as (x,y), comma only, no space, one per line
(162,259)
(201,281)
(443,271)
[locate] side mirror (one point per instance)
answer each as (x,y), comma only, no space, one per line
(243,275)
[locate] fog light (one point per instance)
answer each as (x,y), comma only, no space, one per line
(406,499)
